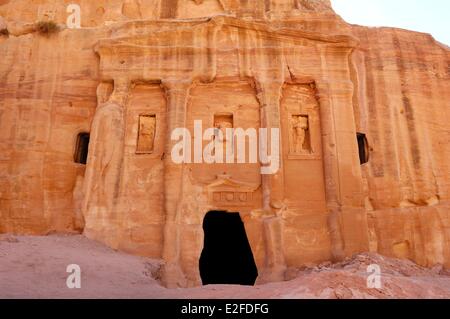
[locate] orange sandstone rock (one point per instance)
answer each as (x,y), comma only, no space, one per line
(138,69)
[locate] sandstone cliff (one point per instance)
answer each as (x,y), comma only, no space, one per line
(400,93)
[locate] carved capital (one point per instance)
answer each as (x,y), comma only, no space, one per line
(104,91)
(269,93)
(177,93)
(176,86)
(121,91)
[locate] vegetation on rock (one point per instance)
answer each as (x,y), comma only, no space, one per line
(47,27)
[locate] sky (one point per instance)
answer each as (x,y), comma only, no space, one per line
(430,16)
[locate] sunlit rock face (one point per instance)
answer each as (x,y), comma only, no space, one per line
(138,69)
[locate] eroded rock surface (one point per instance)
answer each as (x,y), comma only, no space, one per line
(35,267)
(288,64)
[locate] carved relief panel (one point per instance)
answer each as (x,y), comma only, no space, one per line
(301,129)
(302,148)
(222,106)
(145,122)
(225,192)
(146,134)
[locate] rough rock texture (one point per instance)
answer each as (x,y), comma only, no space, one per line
(277,64)
(35,267)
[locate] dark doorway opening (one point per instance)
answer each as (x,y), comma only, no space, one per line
(82,148)
(227,257)
(363,147)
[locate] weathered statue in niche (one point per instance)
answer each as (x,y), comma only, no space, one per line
(222,123)
(146,134)
(300,134)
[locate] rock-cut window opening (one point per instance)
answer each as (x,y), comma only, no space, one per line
(363,148)
(82,148)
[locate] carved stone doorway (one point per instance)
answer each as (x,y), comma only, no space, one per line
(227,257)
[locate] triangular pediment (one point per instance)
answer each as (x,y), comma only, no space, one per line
(227,192)
(226,183)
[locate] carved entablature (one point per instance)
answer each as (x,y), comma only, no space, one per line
(161,50)
(226,193)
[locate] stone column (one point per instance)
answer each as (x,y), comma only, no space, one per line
(344,186)
(269,96)
(275,264)
(331,170)
(177,94)
(103,171)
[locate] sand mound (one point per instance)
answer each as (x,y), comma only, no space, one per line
(35,267)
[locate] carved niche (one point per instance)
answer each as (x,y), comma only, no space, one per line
(301,124)
(223,122)
(146,134)
(300,139)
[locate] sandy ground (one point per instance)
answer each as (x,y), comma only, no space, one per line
(35,267)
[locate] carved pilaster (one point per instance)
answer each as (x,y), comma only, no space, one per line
(269,96)
(275,263)
(331,170)
(121,91)
(102,178)
(177,94)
